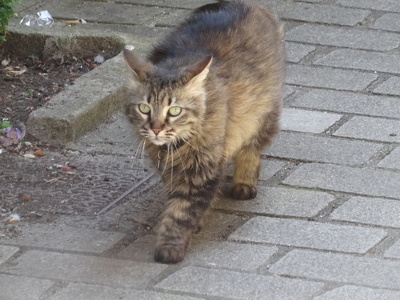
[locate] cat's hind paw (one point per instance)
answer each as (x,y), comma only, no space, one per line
(169,254)
(243,191)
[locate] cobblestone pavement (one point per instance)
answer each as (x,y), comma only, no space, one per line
(325,224)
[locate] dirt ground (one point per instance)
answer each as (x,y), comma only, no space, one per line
(28,84)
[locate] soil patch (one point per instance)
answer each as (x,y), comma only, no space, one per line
(28,84)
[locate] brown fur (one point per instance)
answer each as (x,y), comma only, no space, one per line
(224,68)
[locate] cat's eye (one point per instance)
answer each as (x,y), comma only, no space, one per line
(144,108)
(175,111)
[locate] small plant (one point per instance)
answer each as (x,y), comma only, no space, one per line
(4,124)
(6,13)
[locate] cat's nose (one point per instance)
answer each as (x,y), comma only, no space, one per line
(156,130)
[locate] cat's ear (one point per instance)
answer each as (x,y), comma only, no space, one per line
(197,72)
(139,68)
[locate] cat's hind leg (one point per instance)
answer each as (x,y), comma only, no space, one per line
(246,172)
(247,160)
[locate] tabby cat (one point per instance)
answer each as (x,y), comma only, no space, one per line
(210,92)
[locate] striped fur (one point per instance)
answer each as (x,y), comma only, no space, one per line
(222,70)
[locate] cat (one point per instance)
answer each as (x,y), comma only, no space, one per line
(208,93)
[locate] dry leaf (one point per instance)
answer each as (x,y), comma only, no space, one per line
(39,152)
(26,197)
(15,70)
(29,155)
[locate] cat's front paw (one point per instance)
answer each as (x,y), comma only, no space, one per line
(243,191)
(169,254)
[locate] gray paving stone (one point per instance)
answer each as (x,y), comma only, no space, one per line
(66,238)
(307,234)
(288,90)
(360,59)
(281,202)
(170,3)
(390,86)
(365,181)
(223,283)
(6,252)
(306,120)
(81,291)
(371,129)
(344,268)
(206,253)
(392,161)
(322,149)
(228,255)
(296,52)
(328,78)
(389,21)
(375,211)
(393,251)
(84,269)
(387,5)
(359,293)
(314,12)
(345,102)
(344,37)
(95,11)
(268,168)
(19,287)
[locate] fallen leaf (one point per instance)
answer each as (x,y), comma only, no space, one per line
(39,153)
(26,197)
(66,169)
(29,155)
(15,70)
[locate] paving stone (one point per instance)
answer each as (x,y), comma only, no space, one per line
(359,293)
(393,251)
(281,202)
(170,3)
(387,5)
(288,90)
(206,253)
(6,252)
(328,78)
(365,181)
(375,211)
(268,168)
(364,60)
(314,12)
(66,238)
(392,161)
(84,291)
(346,102)
(84,269)
(390,86)
(344,37)
(19,287)
(95,11)
(306,120)
(307,234)
(216,223)
(388,21)
(344,268)
(323,149)
(229,255)
(296,52)
(230,284)
(371,129)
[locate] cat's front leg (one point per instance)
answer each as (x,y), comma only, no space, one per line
(182,218)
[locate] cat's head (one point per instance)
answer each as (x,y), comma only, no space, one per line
(166,104)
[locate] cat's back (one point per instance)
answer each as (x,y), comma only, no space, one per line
(225,30)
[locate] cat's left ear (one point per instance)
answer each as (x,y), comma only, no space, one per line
(197,72)
(139,68)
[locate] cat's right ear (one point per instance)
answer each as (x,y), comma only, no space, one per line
(139,68)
